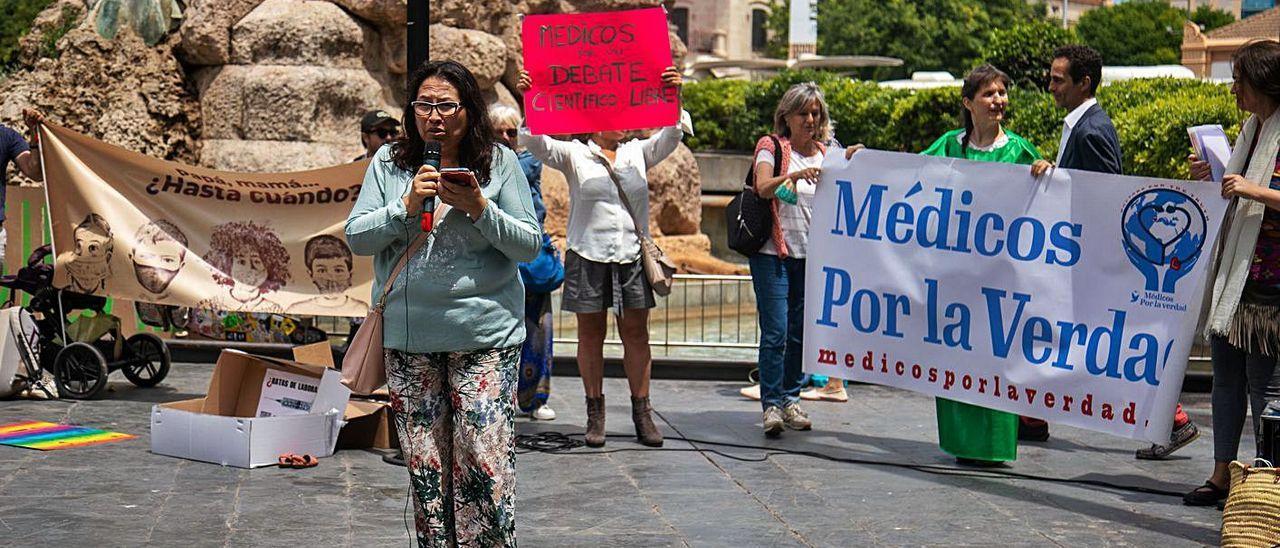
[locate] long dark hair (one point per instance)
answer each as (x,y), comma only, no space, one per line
(977,79)
(476,150)
(1258,64)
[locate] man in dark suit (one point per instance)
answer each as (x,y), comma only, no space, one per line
(1089,141)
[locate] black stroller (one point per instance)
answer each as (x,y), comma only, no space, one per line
(79,367)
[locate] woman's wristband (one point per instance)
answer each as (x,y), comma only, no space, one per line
(784,193)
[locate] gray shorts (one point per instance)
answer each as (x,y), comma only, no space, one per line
(596,287)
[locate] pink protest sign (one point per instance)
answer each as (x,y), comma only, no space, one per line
(598,71)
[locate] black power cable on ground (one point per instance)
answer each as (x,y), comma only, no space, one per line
(558,443)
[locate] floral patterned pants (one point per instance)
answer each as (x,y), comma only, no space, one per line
(456,420)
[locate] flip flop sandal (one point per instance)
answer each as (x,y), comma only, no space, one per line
(287,460)
(306,461)
(1205,495)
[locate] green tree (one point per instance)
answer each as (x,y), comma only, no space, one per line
(925,34)
(1140,32)
(1006,13)
(779,29)
(1025,51)
(1209,17)
(717,102)
(14,24)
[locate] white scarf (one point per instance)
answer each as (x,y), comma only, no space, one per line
(1242,225)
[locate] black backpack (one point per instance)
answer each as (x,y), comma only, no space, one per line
(748,217)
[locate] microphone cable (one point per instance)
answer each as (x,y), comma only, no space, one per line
(557,443)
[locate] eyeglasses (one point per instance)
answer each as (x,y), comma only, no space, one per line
(386,132)
(424,108)
(511,133)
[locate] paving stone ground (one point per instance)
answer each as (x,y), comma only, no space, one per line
(120,494)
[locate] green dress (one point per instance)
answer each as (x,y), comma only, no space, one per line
(964,430)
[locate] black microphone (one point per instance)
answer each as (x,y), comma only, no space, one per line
(430,157)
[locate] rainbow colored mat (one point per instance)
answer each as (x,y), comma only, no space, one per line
(47,436)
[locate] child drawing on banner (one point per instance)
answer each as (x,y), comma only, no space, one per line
(89,264)
(159,253)
(328,261)
(249,261)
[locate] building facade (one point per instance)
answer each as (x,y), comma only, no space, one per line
(726,29)
(1208,54)
(1237,8)
(1075,8)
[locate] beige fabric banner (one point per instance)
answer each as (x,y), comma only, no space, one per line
(133,227)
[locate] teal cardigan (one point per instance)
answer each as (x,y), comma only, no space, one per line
(461,291)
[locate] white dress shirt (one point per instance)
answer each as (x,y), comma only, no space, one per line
(600,228)
(1070,122)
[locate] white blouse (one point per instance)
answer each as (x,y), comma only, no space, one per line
(794,219)
(600,228)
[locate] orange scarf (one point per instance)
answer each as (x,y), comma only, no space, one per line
(765,143)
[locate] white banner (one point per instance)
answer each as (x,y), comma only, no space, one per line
(1073,298)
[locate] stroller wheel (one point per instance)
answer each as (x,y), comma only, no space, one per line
(80,371)
(146,360)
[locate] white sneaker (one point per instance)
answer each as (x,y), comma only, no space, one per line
(751,392)
(544,413)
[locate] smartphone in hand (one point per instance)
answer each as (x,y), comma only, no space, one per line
(460,176)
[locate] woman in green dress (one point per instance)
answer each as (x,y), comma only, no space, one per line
(977,435)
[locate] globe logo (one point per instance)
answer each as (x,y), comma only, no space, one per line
(1164,233)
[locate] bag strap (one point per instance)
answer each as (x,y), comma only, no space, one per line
(395,272)
(777,162)
(608,166)
(777,155)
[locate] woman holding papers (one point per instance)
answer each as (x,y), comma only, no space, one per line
(603,267)
(1242,322)
(977,435)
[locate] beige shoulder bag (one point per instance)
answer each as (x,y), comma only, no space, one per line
(363,370)
(657,267)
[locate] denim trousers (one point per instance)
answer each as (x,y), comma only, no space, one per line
(1239,377)
(779,287)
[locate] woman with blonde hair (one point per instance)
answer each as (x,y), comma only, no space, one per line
(801,131)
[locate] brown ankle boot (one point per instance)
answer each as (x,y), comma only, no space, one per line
(595,421)
(645,429)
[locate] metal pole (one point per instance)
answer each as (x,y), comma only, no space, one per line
(418,45)
(1064,13)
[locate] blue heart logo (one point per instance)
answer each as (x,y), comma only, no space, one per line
(1165,224)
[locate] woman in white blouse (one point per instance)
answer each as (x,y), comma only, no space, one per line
(602,264)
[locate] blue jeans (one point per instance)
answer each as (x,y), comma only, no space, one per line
(779,286)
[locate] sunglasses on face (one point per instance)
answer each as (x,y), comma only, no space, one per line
(510,133)
(386,133)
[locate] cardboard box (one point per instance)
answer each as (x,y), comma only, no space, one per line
(368,422)
(320,354)
(223,428)
(368,425)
